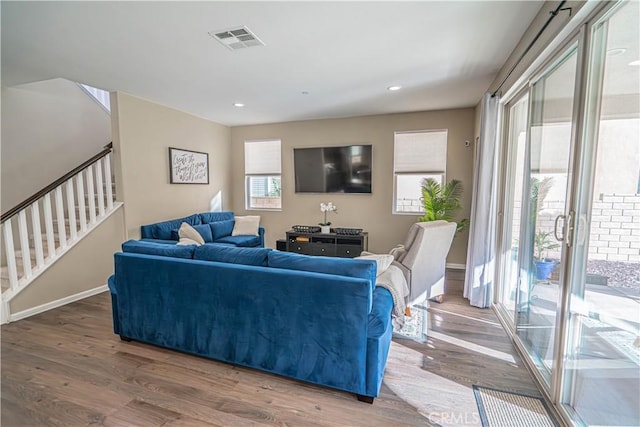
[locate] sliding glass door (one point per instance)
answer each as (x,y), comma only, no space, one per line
(516,140)
(544,211)
(569,258)
(602,369)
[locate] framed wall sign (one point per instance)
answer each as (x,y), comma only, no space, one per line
(188,167)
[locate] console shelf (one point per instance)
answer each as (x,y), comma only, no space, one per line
(332,244)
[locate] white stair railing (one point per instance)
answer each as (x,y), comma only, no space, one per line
(22,226)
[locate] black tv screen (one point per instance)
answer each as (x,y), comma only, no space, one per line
(333,169)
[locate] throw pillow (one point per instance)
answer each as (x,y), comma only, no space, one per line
(382,261)
(203,229)
(221,228)
(189,232)
(246,225)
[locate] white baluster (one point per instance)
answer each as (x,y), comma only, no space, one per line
(23,234)
(10,254)
(100,187)
(48,226)
(62,233)
(82,210)
(91,197)
(71,210)
(108,182)
(37,234)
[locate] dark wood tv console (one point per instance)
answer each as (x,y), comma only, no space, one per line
(332,244)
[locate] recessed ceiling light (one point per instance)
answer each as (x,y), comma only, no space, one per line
(305,92)
(616,52)
(392,88)
(635,63)
(238,104)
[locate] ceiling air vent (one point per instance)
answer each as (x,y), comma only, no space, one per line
(236,38)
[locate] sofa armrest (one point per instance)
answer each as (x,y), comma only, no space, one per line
(406,271)
(111,282)
(379,331)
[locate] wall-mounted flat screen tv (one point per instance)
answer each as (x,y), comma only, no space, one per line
(333,169)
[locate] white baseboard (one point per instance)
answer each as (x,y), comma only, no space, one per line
(57,303)
(454,266)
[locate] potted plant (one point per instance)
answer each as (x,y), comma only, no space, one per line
(442,201)
(325,226)
(542,244)
(542,240)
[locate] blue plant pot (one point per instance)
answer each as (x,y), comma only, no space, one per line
(544,269)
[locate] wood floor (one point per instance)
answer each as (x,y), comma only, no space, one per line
(65,367)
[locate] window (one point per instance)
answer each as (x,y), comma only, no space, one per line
(262,168)
(99,95)
(416,157)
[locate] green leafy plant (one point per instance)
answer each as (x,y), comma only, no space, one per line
(539,191)
(442,201)
(542,240)
(276,190)
(543,244)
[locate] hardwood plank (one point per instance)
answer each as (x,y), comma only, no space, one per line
(140,413)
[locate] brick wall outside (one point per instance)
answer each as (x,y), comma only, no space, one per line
(266,202)
(409,205)
(615,227)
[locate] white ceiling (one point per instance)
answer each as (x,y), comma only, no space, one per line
(345,54)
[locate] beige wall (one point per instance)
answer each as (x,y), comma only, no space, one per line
(61,126)
(86,266)
(142,134)
(370,212)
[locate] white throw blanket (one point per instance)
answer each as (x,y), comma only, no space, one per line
(393,280)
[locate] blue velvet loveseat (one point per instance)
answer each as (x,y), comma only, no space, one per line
(214,227)
(315,319)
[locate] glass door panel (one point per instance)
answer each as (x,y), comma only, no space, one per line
(601,383)
(513,185)
(543,211)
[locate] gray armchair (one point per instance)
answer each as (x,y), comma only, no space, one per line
(423,257)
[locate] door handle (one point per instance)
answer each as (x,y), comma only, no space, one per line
(555,227)
(567,228)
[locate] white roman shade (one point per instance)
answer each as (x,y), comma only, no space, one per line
(262,157)
(420,152)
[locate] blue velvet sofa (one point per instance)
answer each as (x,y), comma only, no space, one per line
(214,227)
(315,319)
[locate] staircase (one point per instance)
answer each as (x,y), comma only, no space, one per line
(37,232)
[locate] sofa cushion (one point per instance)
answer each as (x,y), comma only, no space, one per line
(162,230)
(207,217)
(330,265)
(246,256)
(160,249)
(221,229)
(185,241)
(246,225)
(241,241)
(165,242)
